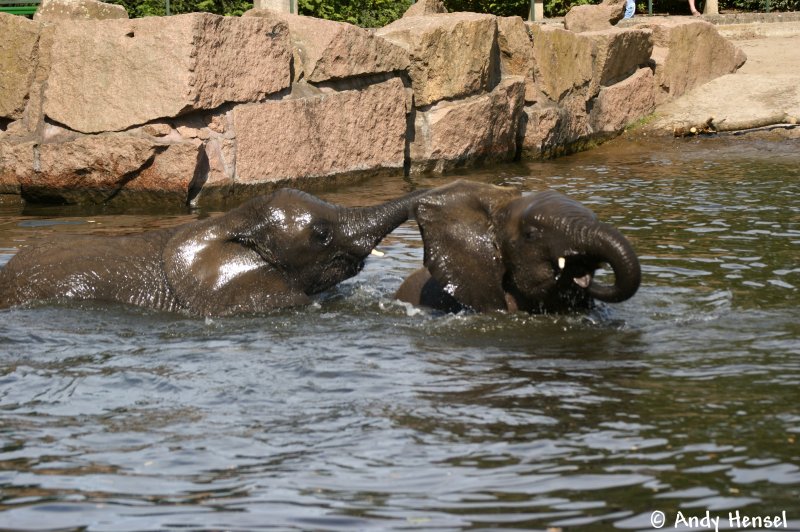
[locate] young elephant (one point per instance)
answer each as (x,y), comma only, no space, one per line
(488,248)
(271,252)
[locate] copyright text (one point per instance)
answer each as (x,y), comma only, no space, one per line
(731,520)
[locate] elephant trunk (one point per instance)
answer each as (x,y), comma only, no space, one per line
(607,244)
(592,239)
(365,227)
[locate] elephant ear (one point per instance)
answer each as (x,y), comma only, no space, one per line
(213,272)
(461,248)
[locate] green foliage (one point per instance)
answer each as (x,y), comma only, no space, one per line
(559,8)
(505,8)
(364,13)
(149,8)
(760,5)
(377,13)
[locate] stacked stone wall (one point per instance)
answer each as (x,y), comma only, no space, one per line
(198,106)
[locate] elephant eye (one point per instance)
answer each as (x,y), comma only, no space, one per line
(321,234)
(532,233)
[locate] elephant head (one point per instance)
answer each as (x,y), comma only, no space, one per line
(271,252)
(275,251)
(489,248)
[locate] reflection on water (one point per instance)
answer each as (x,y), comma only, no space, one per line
(363,413)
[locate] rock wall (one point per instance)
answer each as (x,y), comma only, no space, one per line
(193,107)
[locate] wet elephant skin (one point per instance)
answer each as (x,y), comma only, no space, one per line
(489,248)
(273,251)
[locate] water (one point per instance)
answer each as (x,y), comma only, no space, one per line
(361,413)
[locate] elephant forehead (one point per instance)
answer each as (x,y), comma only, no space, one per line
(550,205)
(550,200)
(289,217)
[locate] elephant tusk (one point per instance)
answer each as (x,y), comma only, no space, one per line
(377,253)
(561,263)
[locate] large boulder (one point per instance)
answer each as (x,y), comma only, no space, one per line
(515,44)
(425,7)
(568,63)
(618,54)
(689,53)
(553,130)
(331,133)
(598,17)
(172,174)
(32,118)
(483,128)
(58,10)
(216,162)
(542,127)
(564,60)
(16,161)
(618,105)
(220,159)
(582,76)
(327,50)
(97,168)
(452,55)
(114,74)
(18,47)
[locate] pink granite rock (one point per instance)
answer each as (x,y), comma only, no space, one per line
(452,55)
(111,75)
(689,53)
(588,17)
(327,50)
(569,62)
(58,10)
(516,47)
(333,133)
(478,129)
(425,7)
(94,168)
(16,162)
(18,46)
(618,105)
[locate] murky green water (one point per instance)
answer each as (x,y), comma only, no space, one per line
(360,413)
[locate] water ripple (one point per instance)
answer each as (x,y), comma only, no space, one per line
(360,412)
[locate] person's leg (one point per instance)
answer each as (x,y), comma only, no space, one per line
(693,9)
(630,7)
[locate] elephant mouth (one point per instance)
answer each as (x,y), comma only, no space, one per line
(576,270)
(566,288)
(340,267)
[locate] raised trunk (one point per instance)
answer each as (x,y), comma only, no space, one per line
(609,245)
(365,227)
(597,241)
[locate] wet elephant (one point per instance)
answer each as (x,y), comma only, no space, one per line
(489,248)
(271,252)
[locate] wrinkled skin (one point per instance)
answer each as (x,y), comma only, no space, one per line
(271,252)
(488,248)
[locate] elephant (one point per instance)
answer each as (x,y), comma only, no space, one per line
(271,252)
(490,248)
